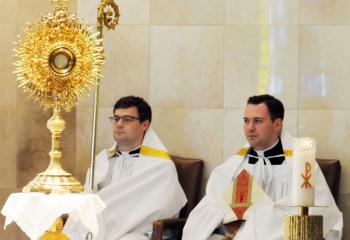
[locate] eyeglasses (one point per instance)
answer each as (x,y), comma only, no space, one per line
(125,118)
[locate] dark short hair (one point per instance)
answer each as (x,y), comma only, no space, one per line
(143,108)
(275,106)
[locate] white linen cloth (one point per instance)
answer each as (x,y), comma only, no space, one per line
(141,190)
(35,213)
(264,220)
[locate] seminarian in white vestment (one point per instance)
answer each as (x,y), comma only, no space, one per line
(271,168)
(143,187)
(138,187)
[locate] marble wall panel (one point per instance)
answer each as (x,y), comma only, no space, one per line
(233,133)
(8,164)
(331,129)
(8,88)
(127,61)
(8,11)
(83,136)
(261,12)
(87,10)
(186,66)
(290,121)
(260,60)
(187,12)
(9,36)
(134,11)
(324,12)
(324,71)
(127,58)
(193,133)
(33,141)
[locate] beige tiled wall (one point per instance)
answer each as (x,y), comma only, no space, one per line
(197,62)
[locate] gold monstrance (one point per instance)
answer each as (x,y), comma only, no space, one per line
(58,60)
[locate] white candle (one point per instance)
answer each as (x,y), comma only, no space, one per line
(303,172)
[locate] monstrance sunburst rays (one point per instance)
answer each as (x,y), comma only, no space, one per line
(58,59)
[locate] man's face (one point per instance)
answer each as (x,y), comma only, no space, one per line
(128,132)
(260,131)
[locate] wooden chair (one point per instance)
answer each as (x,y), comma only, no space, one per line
(190,173)
(331,170)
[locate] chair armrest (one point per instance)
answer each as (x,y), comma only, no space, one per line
(169,223)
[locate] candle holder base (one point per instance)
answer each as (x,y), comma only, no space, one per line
(298,227)
(55,232)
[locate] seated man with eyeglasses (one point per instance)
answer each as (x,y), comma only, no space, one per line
(135,178)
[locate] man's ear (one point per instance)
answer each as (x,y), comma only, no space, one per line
(145,125)
(278,124)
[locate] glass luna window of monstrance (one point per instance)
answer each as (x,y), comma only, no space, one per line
(62,60)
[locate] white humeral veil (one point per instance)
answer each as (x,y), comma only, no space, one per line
(264,219)
(150,192)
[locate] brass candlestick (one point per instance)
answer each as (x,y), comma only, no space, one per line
(303,226)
